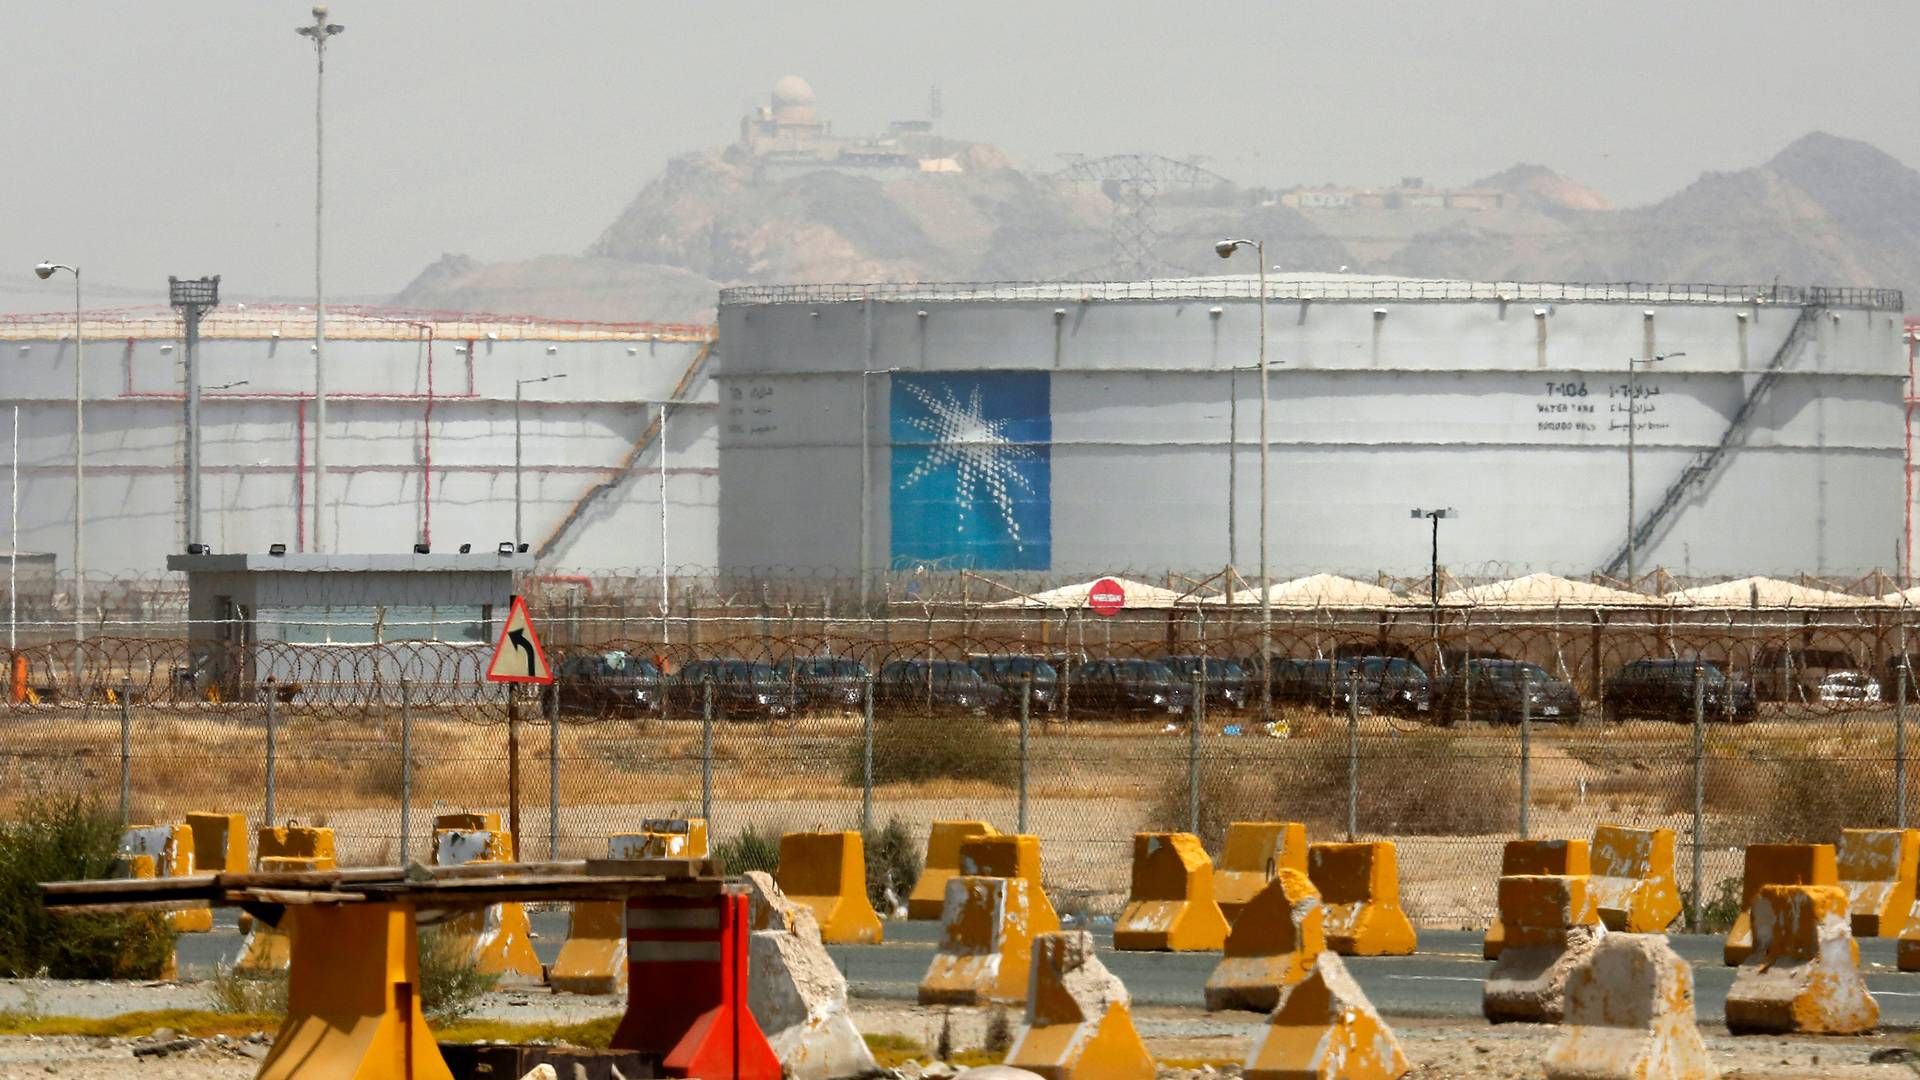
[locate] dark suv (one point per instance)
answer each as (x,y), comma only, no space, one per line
(1010,674)
(1226,680)
(1657,689)
(608,683)
(825,682)
(1128,686)
(911,684)
(1323,684)
(740,688)
(1393,684)
(1493,690)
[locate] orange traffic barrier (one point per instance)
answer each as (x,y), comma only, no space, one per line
(929,897)
(986,941)
(1360,886)
(1170,905)
(1011,856)
(1256,852)
(1633,882)
(1533,857)
(164,851)
(827,872)
(19,679)
(1629,1016)
(593,959)
(498,937)
(1079,1019)
(1325,1028)
(1271,947)
(285,849)
(1775,864)
(219,841)
(1551,928)
(1803,974)
(1877,868)
(353,1007)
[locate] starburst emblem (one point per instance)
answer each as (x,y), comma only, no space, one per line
(979,450)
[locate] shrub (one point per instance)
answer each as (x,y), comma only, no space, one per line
(1719,912)
(248,993)
(68,838)
(749,849)
(999,1037)
(451,985)
(1227,794)
(915,749)
(893,865)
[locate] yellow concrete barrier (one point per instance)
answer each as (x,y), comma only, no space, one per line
(593,959)
(986,941)
(1633,882)
(1011,856)
(353,1007)
(1256,852)
(1534,857)
(1629,1016)
(1079,1017)
(1170,905)
(1877,868)
(1324,1028)
(827,872)
(1775,864)
(1360,886)
(1803,974)
(929,897)
(219,842)
(148,851)
(1552,928)
(1271,947)
(283,849)
(498,937)
(296,842)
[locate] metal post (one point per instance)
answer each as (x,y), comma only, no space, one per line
(406,769)
(1195,717)
(706,754)
(1353,755)
(13,546)
(1526,755)
(191,318)
(319,31)
(513,772)
(866,757)
(1026,717)
(664,605)
(866,495)
(1233,454)
(519,530)
(1901,680)
(273,753)
(1699,788)
(553,777)
(126,754)
(1266,581)
(79,490)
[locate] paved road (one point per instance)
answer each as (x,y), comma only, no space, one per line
(1443,980)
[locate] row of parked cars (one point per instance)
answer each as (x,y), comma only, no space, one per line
(1489,689)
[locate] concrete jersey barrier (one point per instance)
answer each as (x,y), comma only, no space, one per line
(827,871)
(1170,904)
(1271,947)
(219,841)
(1803,974)
(1629,1016)
(1255,852)
(1775,864)
(1360,886)
(1552,927)
(1634,886)
(593,959)
(1079,1017)
(1325,1028)
(986,941)
(498,937)
(928,899)
(1534,857)
(1877,868)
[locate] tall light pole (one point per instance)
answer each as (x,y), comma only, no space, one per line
(866,484)
(664,404)
(320,30)
(192,297)
(1225,249)
(1633,413)
(1433,581)
(46,270)
(519,532)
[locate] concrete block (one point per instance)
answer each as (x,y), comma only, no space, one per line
(1629,1016)
(1802,976)
(1534,857)
(1324,1028)
(498,936)
(1633,879)
(1360,887)
(148,851)
(219,842)
(799,999)
(1552,927)
(1271,947)
(1256,852)
(986,941)
(1877,868)
(828,872)
(305,842)
(1776,864)
(1010,857)
(928,899)
(593,959)
(1170,905)
(1079,1018)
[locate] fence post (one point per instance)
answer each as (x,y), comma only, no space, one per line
(1026,717)
(513,771)
(706,753)
(866,758)
(406,769)
(273,750)
(1196,715)
(1902,679)
(1526,752)
(126,754)
(553,775)
(1353,755)
(1699,789)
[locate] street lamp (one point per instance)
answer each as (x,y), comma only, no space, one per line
(320,30)
(1433,584)
(866,485)
(1225,249)
(519,533)
(1633,412)
(192,297)
(46,270)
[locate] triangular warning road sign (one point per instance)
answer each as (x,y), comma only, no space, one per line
(518,656)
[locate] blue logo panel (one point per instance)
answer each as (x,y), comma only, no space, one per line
(972,470)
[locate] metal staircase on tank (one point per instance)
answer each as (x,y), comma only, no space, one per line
(1701,468)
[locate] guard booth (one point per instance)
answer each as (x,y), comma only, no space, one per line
(261,623)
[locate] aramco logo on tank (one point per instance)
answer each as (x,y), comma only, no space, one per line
(972,470)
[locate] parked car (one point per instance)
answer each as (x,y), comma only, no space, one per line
(1495,690)
(612,682)
(1890,677)
(741,688)
(1226,681)
(1847,688)
(1118,686)
(826,682)
(1788,674)
(1661,689)
(916,684)
(1324,684)
(1395,685)
(1010,674)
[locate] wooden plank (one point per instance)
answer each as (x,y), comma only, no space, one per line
(128,907)
(289,897)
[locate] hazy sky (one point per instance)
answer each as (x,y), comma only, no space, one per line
(144,139)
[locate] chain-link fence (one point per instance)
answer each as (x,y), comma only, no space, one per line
(1448,732)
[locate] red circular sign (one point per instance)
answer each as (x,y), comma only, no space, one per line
(1106,597)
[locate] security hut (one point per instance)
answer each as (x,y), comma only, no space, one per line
(322,627)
